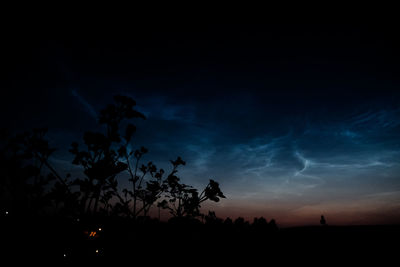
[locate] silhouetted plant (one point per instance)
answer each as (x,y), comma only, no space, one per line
(107,155)
(184,200)
(101,159)
(144,190)
(25,183)
(153,188)
(148,183)
(101,165)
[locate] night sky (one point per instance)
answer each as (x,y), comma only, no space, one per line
(293,120)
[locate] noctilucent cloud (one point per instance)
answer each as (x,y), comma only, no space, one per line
(292,122)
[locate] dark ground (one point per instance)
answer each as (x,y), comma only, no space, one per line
(66,241)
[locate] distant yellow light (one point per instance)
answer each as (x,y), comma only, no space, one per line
(97,251)
(99,229)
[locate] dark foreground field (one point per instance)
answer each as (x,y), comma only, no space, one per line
(107,241)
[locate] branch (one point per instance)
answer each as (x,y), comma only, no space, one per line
(44,161)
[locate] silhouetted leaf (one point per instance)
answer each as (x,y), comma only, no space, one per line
(129,131)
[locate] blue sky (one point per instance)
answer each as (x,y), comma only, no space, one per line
(294,121)
(343,164)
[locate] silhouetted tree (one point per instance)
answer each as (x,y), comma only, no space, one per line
(272,225)
(323,221)
(212,219)
(228,222)
(260,222)
(240,223)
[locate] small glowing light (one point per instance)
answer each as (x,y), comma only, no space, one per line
(92,234)
(99,229)
(97,251)
(65,255)
(6,212)
(77,220)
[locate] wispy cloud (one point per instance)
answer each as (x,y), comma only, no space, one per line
(160,107)
(89,108)
(381,118)
(303,172)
